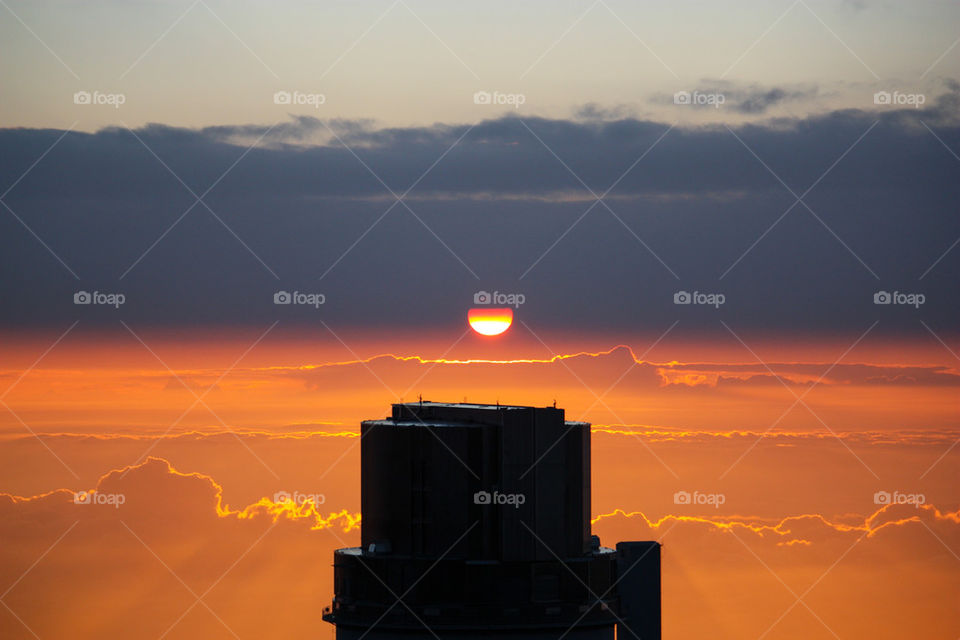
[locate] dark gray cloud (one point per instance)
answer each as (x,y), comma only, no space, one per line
(750,99)
(594,111)
(699,213)
(759,100)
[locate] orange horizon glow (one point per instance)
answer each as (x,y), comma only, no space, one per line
(205,438)
(164,388)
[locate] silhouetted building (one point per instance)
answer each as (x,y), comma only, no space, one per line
(476,524)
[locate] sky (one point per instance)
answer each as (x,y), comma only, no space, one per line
(727,234)
(417,63)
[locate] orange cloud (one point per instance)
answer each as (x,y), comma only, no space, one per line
(150,487)
(885,516)
(175,537)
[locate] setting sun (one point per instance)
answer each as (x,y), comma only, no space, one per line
(490,322)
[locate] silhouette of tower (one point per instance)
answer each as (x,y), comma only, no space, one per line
(476,524)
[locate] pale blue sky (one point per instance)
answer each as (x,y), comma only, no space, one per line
(418,62)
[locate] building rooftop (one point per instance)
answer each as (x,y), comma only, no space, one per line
(467,405)
(459,414)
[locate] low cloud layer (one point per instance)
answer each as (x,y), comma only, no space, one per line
(506,204)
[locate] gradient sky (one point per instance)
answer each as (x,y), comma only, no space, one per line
(416,63)
(798,198)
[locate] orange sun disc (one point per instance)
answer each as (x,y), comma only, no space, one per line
(490,322)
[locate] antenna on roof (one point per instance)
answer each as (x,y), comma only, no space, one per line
(421,400)
(554,403)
